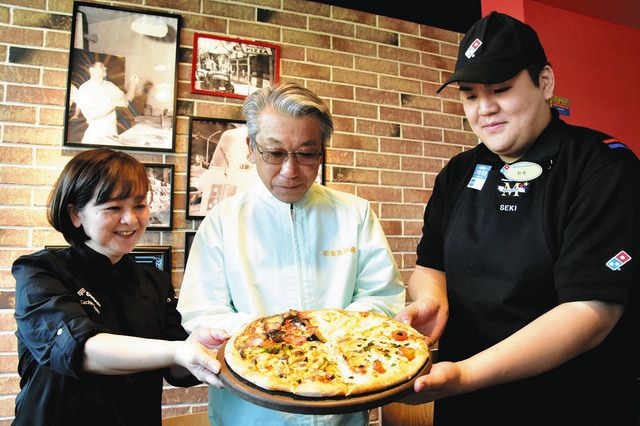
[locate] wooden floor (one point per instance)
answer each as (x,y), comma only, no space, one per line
(397,414)
(196,419)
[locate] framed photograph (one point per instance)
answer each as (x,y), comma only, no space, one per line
(122,80)
(158,256)
(218,163)
(161,207)
(188,239)
(232,67)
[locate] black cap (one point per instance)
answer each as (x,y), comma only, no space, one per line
(495,49)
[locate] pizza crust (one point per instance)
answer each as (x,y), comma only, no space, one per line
(233,358)
(319,390)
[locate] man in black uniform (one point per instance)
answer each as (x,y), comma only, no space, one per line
(526,273)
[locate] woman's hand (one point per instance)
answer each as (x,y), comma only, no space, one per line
(198,354)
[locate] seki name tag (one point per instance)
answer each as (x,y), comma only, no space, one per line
(523,171)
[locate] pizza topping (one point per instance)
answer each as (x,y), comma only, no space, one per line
(406,352)
(294,318)
(275,335)
(293,339)
(257,340)
(273,323)
(377,366)
(400,335)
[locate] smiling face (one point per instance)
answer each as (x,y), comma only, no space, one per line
(113,227)
(289,181)
(509,116)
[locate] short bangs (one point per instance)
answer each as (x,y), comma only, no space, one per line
(123,179)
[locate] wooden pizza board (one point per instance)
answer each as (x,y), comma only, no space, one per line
(284,401)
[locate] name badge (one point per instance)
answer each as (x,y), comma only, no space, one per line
(523,171)
(479,177)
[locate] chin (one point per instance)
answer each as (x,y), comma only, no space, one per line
(289,196)
(288,200)
(292,198)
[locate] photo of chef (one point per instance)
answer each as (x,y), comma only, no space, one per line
(219,163)
(122,79)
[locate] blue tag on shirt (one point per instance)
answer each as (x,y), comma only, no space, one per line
(479,177)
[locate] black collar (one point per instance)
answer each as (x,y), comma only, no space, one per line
(97,263)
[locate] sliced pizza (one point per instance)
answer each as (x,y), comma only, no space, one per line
(326,352)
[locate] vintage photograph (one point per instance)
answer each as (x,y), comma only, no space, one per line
(161,207)
(232,67)
(218,163)
(121,89)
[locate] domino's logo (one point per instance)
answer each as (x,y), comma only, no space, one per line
(471,51)
(616,262)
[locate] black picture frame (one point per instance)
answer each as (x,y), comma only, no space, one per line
(158,256)
(188,240)
(218,163)
(161,178)
(232,67)
(122,80)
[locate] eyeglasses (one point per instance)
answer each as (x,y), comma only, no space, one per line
(279,156)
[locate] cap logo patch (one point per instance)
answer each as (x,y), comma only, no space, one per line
(471,51)
(618,260)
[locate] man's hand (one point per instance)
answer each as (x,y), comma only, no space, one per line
(426,316)
(430,310)
(444,379)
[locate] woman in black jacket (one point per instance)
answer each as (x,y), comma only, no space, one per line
(98,332)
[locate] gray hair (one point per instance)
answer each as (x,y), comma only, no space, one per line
(291,99)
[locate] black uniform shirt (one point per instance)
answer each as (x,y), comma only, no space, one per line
(65,296)
(513,250)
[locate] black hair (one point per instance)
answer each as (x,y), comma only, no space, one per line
(103,174)
(535,70)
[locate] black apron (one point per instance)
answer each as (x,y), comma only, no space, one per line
(499,271)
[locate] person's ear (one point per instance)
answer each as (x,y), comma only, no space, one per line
(252,155)
(547,82)
(74,215)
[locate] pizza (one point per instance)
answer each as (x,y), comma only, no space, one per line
(326,352)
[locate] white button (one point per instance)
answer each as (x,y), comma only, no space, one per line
(59,332)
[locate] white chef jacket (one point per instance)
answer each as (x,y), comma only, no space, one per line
(98,101)
(254,255)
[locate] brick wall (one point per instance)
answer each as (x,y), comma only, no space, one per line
(379,76)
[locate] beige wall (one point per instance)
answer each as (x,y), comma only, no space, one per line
(379,76)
